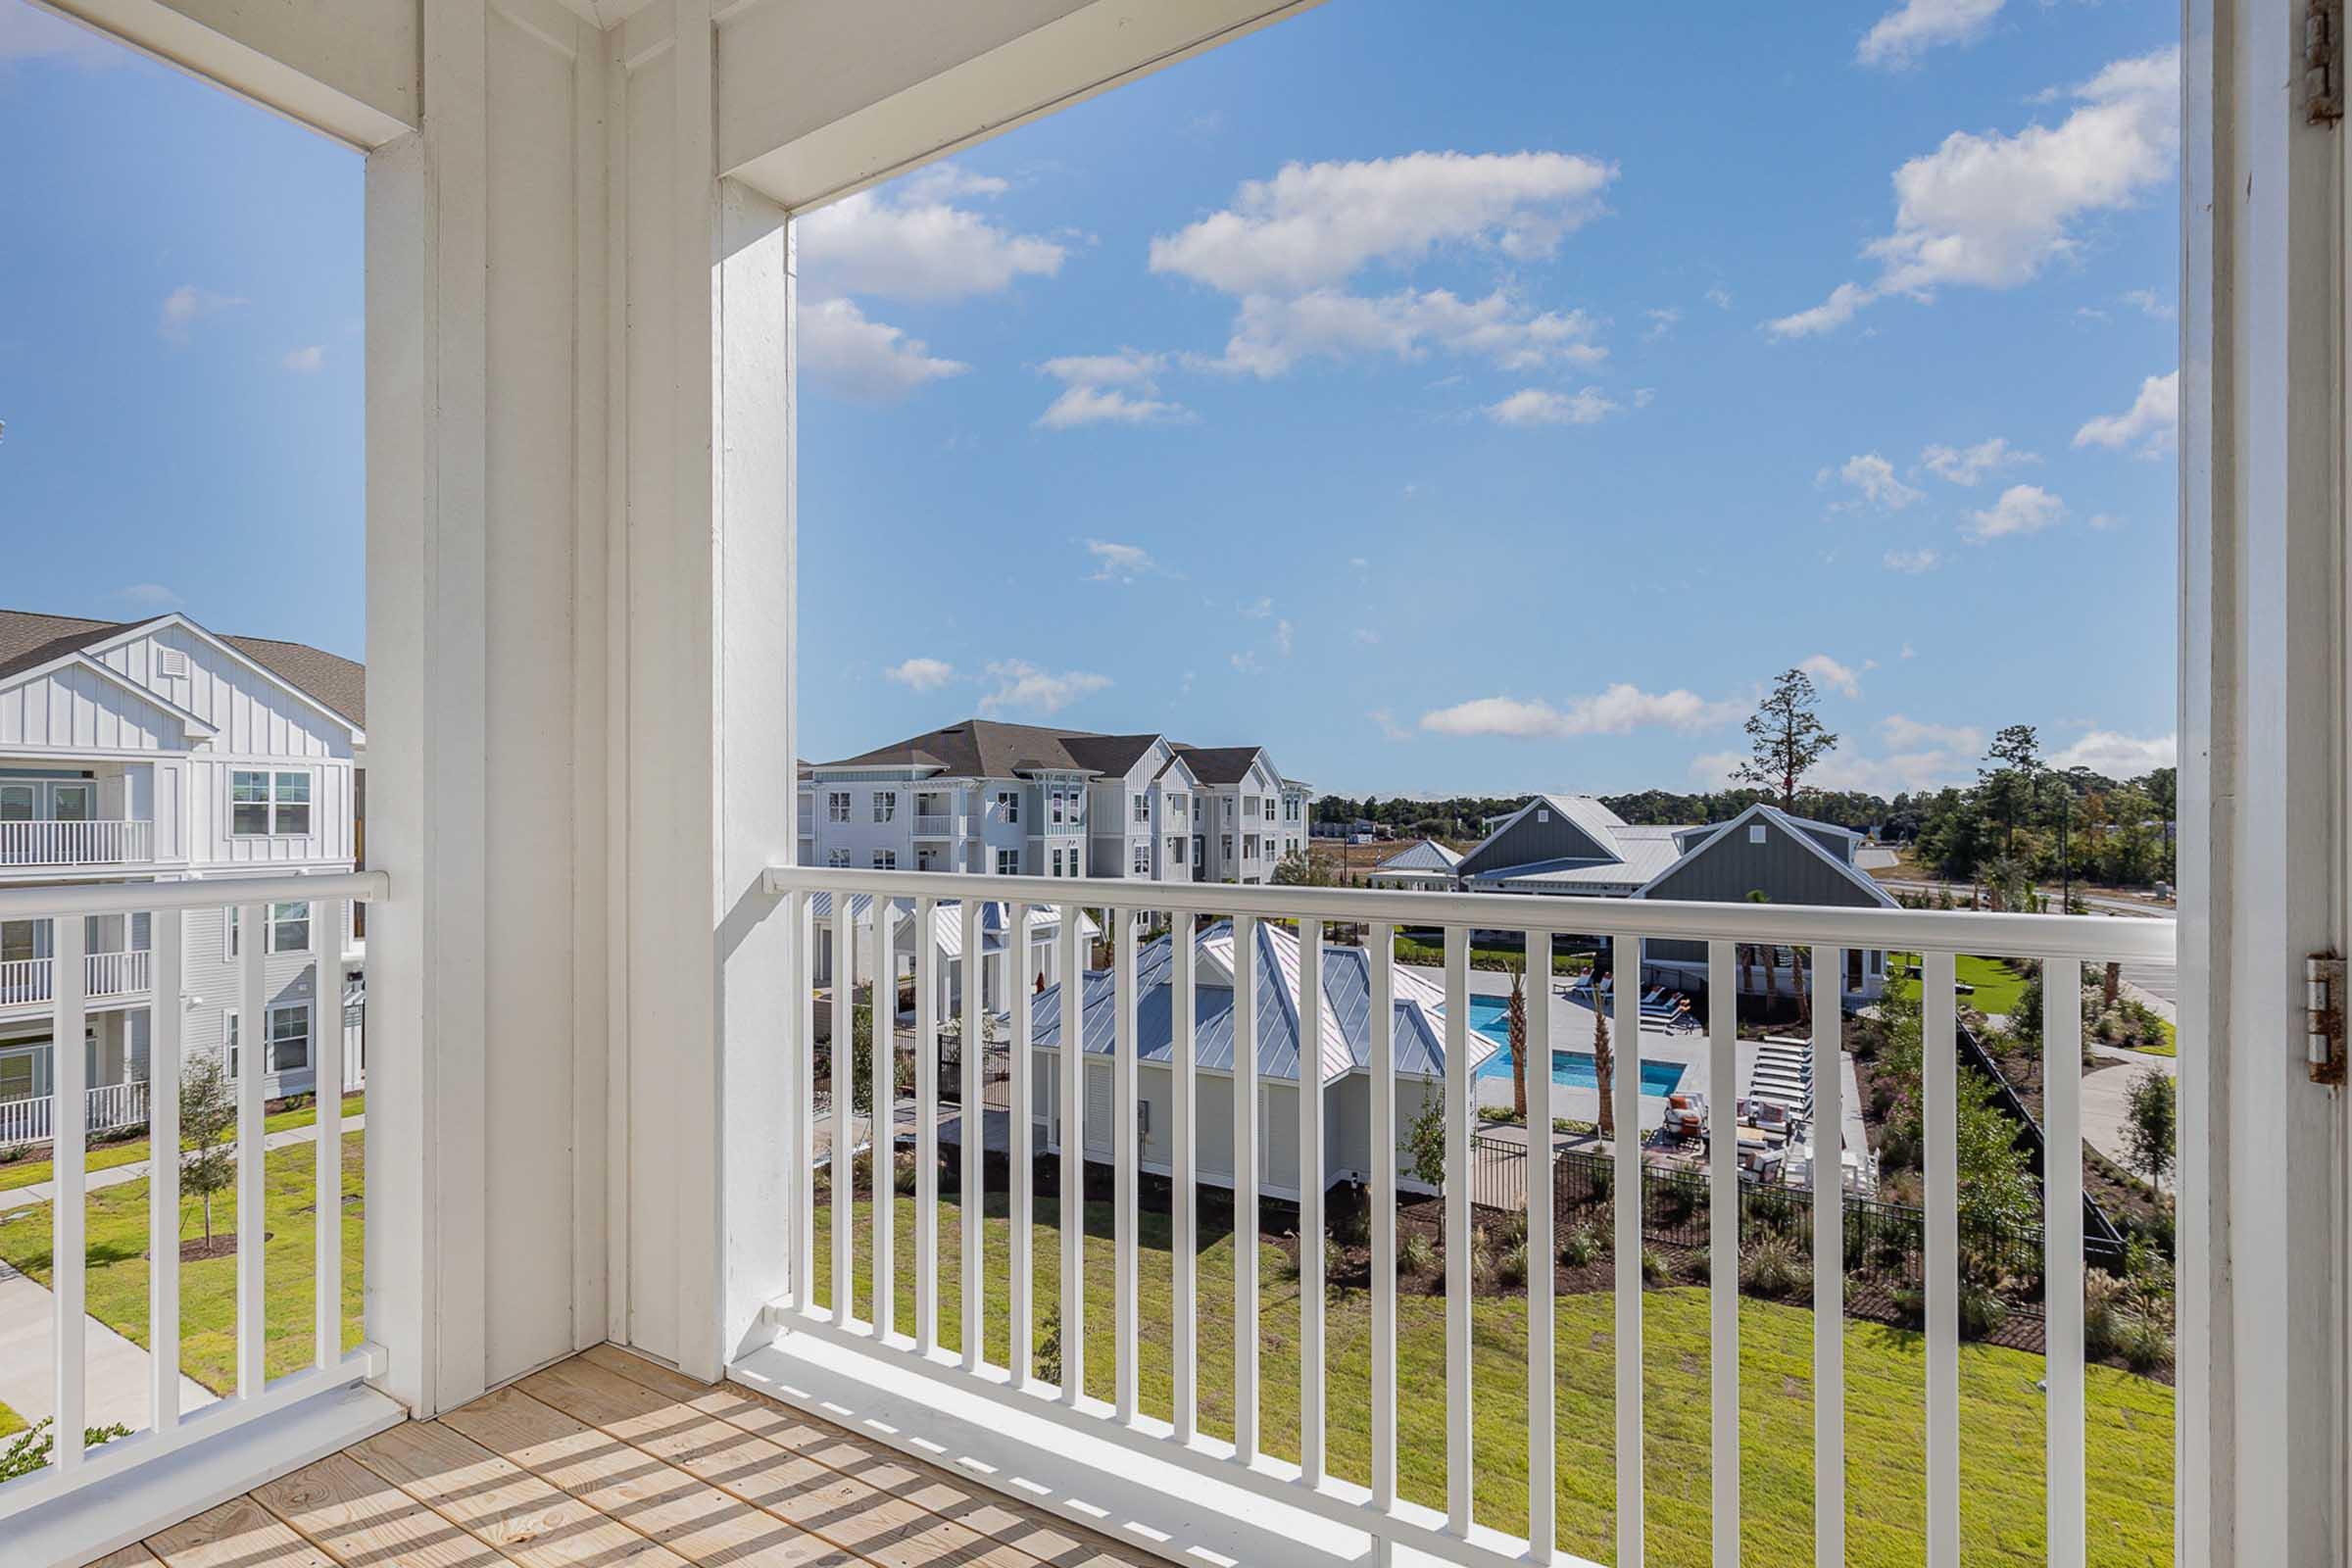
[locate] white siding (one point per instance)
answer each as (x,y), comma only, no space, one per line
(74,708)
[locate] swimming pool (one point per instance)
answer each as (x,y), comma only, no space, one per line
(1571,1070)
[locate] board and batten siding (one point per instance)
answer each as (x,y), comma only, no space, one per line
(1531,840)
(1733,866)
(253,713)
(74,708)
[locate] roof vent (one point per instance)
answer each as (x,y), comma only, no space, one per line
(171,664)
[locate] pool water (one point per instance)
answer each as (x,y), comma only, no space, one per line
(1572,1069)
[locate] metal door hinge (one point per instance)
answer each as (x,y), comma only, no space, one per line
(2323,1018)
(2323,62)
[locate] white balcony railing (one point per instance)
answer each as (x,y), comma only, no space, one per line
(105,976)
(937,825)
(76,1108)
(29,845)
(826,1295)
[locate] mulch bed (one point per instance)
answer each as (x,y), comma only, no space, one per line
(199,1250)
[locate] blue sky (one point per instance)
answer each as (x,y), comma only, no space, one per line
(1445,406)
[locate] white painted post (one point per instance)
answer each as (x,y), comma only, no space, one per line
(800,919)
(842,1161)
(1459,1240)
(252,1064)
(883,980)
(2062,1265)
(1631,1192)
(1124,1163)
(1829,1260)
(1074,1158)
(1021,1162)
(166,1016)
(926,1127)
(327,1080)
(1383,957)
(972,1126)
(1940,1117)
(69,1218)
(1723,1232)
(1543,1461)
(1184,1192)
(1311,1176)
(1244,1190)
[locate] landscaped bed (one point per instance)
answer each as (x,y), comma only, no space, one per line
(2131,1418)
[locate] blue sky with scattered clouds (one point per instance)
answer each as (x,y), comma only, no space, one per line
(1478,397)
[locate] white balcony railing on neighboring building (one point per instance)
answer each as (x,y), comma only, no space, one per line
(105,976)
(29,845)
(74,1108)
(1150,1418)
(937,825)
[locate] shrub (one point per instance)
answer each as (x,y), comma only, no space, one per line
(1581,1248)
(1046,1360)
(1772,1208)
(28,1449)
(902,1170)
(2145,1344)
(1656,1270)
(1512,1269)
(1698,1266)
(1416,1254)
(1774,1268)
(1335,1260)
(1510,1233)
(1597,1183)
(2102,1312)
(1352,1226)
(1981,1310)
(10,1154)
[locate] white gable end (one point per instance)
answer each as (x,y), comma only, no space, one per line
(76,706)
(255,713)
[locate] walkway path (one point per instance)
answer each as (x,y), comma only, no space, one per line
(115,1376)
(136,1170)
(2107,1098)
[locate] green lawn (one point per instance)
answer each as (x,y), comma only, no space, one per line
(2131,1419)
(105,1156)
(1997,986)
(208,1289)
(10,1421)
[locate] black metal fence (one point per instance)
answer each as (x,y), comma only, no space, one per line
(1887,1239)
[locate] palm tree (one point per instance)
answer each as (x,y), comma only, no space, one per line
(1517,1016)
(1771,955)
(1604,1067)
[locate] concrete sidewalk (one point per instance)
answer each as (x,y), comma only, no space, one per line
(115,1375)
(2107,1098)
(115,1176)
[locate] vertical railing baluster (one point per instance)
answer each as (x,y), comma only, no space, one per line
(69,1218)
(2062,1265)
(1939,1116)
(1074,1158)
(971,1121)
(926,1127)
(843,1160)
(801,1224)
(1631,1192)
(1244,1189)
(1542,1464)
(1125,1161)
(252,1064)
(1722,1234)
(1459,1242)
(164,1021)
(882,982)
(1021,1162)
(1184,1192)
(1829,1258)
(326,1084)
(1383,1198)
(1310,1203)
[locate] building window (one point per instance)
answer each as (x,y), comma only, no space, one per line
(1008,863)
(289,1049)
(1226,846)
(1011,799)
(248,804)
(289,928)
(837,806)
(1056,816)
(1057,862)
(886,859)
(1269,807)
(837,858)
(1176,851)
(1143,857)
(261,803)
(886,805)
(1142,809)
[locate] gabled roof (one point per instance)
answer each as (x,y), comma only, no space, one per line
(1798,830)
(76,660)
(1424,856)
(1219,765)
(977,747)
(1111,755)
(29,639)
(1586,815)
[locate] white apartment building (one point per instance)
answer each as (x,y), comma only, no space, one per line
(1020,800)
(158,751)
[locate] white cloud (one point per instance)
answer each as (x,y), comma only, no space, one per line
(1090,405)
(1536,405)
(1314,224)
(1872,477)
(2150,423)
(1901,36)
(2021,508)
(1912,563)
(185,305)
(2147,302)
(1272,335)
(922,675)
(149,596)
(909,243)
(870,360)
(2116,755)
(1843,678)
(1390,729)
(1643,396)
(1022,686)
(28,32)
(1661,322)
(1283,638)
(1991,211)
(1909,652)
(1719,297)
(1618,710)
(1912,735)
(1118,562)
(1130,367)
(2104,520)
(304,361)
(1245,661)
(1966,465)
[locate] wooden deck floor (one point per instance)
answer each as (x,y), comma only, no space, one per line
(608,1459)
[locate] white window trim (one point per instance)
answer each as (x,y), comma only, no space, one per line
(232,1047)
